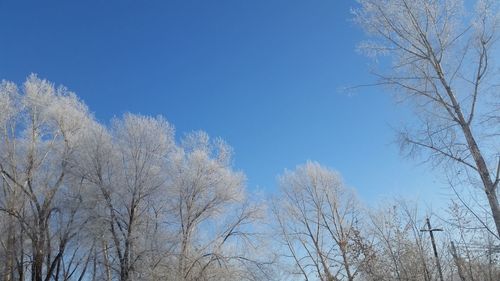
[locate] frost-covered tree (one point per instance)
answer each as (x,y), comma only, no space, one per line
(211,214)
(318,225)
(443,62)
(125,170)
(40,131)
(400,250)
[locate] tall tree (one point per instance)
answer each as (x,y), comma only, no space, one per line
(442,62)
(41,128)
(125,170)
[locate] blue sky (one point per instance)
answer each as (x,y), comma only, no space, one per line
(265,75)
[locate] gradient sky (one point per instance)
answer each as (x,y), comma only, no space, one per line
(265,75)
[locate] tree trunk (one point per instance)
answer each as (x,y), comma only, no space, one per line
(480,163)
(482,169)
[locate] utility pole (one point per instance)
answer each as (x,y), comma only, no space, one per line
(431,230)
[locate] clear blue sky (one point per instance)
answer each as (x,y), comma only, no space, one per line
(265,75)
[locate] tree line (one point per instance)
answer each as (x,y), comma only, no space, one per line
(84,201)
(81,200)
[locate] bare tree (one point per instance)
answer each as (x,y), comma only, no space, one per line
(475,251)
(317,221)
(442,60)
(401,251)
